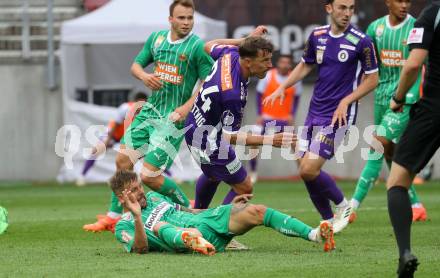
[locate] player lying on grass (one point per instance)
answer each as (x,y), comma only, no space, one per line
(155,223)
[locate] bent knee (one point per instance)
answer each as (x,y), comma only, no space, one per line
(307,172)
(258,212)
(245,187)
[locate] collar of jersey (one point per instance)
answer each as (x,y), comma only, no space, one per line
(340,35)
(387,22)
(178,41)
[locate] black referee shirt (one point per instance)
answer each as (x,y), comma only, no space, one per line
(426,35)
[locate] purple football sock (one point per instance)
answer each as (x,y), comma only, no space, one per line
(205,190)
(321,203)
(329,189)
(228,199)
(89,163)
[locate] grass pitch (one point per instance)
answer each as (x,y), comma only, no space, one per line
(45,238)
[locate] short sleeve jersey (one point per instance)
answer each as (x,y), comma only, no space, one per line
(159,208)
(179,65)
(426,35)
(341,60)
(392,51)
(220,105)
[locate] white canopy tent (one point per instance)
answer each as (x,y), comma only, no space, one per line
(96,52)
(131,21)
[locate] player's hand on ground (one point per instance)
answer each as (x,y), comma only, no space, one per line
(131,203)
(395,107)
(277,94)
(259,31)
(340,115)
(284,139)
(152,81)
(242,199)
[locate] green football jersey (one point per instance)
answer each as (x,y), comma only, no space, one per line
(179,65)
(392,51)
(159,208)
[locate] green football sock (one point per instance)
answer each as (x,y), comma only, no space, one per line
(413,197)
(286,224)
(172,236)
(115,205)
(368,177)
(171,189)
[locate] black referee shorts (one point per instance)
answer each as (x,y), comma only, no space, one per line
(420,140)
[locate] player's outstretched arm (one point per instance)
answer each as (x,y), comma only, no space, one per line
(299,72)
(278,140)
(259,31)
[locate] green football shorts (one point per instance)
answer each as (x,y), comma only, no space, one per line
(214,226)
(391,125)
(157,139)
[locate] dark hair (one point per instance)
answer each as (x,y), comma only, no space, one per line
(329,2)
(140,96)
(120,180)
(185,3)
(250,46)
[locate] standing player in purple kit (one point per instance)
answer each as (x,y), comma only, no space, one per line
(342,54)
(216,116)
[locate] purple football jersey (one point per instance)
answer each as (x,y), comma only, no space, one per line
(341,60)
(218,107)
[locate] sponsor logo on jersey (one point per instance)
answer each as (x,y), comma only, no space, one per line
(322,40)
(182,57)
(322,137)
(379,30)
(228,118)
(319,32)
(416,35)
(357,33)
(343,55)
(392,58)
(354,40)
(226,73)
(156,215)
(346,46)
(158,41)
(234,166)
(319,56)
(126,237)
(168,73)
(367,54)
